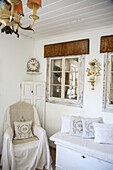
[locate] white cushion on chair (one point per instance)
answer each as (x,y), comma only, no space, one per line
(23,130)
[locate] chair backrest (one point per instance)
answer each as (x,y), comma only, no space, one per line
(21,111)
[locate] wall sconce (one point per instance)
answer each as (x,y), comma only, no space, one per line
(93,71)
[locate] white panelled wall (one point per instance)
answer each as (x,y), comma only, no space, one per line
(14,54)
(92,99)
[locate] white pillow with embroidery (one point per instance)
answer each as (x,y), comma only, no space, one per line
(88,129)
(76,128)
(23,130)
(103,133)
(65,126)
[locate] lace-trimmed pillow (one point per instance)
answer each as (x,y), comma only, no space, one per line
(103,133)
(23,130)
(76,128)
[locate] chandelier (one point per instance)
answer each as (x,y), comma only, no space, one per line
(12,13)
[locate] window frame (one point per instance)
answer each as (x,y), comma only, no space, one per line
(107,107)
(80,87)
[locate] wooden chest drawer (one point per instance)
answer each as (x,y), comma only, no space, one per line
(68,159)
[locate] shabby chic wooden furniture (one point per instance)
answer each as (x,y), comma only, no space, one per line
(76,153)
(34,93)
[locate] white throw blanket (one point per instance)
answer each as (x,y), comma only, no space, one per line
(25,156)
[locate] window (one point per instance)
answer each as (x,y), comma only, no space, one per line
(65,79)
(108,82)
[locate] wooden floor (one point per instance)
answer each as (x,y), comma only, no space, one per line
(53,156)
(0,163)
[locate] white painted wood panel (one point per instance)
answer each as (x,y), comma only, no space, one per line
(27,92)
(70,159)
(34,93)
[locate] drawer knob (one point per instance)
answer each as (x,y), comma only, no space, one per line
(83,157)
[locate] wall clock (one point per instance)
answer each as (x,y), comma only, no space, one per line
(33,65)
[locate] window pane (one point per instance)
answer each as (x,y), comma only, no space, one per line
(111,89)
(55,91)
(111,96)
(71,63)
(56,78)
(71,78)
(56,65)
(111,63)
(71,93)
(111,83)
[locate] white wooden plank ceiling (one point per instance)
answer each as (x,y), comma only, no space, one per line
(64,16)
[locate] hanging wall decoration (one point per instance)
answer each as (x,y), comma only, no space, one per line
(93,71)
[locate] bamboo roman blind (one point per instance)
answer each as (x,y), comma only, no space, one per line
(106,44)
(67,48)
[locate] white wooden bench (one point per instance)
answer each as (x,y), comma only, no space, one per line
(76,153)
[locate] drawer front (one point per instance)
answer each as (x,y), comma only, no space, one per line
(67,159)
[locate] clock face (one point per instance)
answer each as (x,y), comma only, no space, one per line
(33,65)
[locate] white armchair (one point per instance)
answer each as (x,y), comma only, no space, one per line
(29,153)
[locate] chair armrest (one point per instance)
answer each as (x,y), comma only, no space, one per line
(8,134)
(38,131)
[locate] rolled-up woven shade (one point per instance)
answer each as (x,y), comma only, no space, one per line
(67,48)
(106,44)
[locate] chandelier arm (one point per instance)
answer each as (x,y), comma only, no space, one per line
(17,28)
(34,18)
(26,28)
(32,23)
(12,9)
(16,32)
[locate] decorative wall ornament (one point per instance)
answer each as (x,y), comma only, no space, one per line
(93,71)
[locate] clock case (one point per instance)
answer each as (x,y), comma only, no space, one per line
(30,70)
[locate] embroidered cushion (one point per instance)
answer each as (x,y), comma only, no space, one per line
(76,126)
(88,129)
(103,133)
(23,130)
